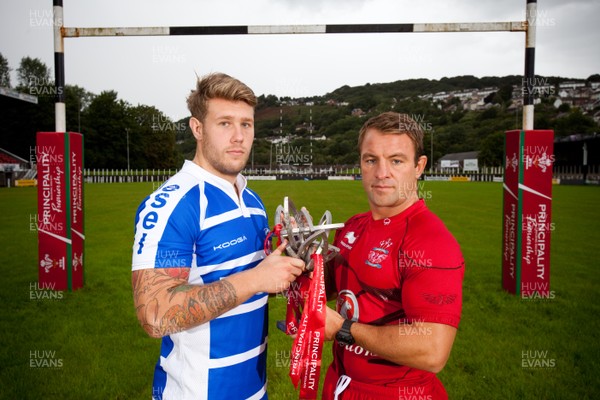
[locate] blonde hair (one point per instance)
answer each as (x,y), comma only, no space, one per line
(217,86)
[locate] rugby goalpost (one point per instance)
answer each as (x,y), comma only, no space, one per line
(526,189)
(528,26)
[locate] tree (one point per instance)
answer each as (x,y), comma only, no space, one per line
(106,136)
(490,113)
(564,107)
(505,93)
(152,138)
(20,120)
(77,101)
(136,137)
(491,151)
(267,101)
(574,122)
(33,75)
(4,72)
(594,78)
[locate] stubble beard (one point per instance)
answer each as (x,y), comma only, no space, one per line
(393,200)
(232,168)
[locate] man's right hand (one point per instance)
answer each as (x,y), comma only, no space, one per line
(276,272)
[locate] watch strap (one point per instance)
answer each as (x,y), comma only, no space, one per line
(344,336)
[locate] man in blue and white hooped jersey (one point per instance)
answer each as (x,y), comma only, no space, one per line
(200,276)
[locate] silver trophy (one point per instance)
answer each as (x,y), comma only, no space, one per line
(304,238)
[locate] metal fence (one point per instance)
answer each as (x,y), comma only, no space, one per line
(576,174)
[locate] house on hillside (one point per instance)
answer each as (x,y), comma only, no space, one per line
(357,112)
(571,85)
(440,96)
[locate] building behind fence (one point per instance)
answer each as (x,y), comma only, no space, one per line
(562,174)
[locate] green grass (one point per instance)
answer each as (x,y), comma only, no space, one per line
(103,353)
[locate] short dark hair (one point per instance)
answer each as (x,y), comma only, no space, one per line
(396,124)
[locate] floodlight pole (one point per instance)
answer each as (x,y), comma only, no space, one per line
(127,130)
(431,161)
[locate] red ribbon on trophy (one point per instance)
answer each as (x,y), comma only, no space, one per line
(305,316)
(305,363)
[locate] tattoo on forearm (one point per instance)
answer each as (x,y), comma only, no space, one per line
(183,307)
(218,297)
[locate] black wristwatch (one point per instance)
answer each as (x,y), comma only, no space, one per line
(344,337)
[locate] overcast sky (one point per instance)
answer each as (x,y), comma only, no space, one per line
(160,71)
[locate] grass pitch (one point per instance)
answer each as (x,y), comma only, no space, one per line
(87,344)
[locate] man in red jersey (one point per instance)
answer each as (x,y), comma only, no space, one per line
(397,279)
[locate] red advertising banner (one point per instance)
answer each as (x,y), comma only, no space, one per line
(510,226)
(60,210)
(77,221)
(536,199)
(529,157)
(52,216)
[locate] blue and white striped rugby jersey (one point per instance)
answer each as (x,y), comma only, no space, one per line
(197,220)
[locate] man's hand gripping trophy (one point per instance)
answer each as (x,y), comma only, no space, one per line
(304,239)
(306,299)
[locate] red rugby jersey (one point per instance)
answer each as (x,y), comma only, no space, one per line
(403,269)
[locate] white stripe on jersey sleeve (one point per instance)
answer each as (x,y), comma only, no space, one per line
(246,307)
(197,272)
(221,218)
(230,215)
(238,358)
(257,211)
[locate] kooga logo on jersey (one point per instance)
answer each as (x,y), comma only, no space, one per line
(233,242)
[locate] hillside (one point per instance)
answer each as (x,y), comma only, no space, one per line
(457,114)
(463,113)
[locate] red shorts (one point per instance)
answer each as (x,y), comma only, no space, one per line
(363,391)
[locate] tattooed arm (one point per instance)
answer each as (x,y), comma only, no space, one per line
(166,303)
